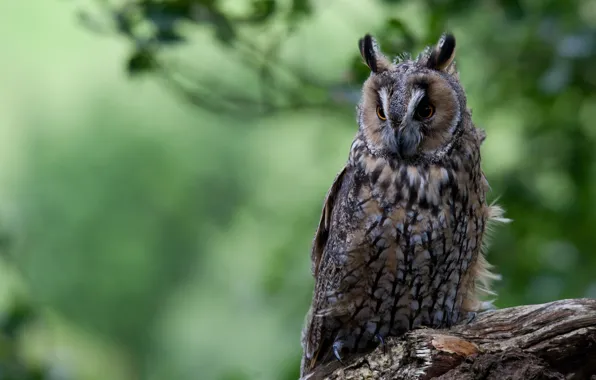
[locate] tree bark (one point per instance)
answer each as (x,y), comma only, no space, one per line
(551,341)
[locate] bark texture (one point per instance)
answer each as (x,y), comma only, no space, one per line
(552,341)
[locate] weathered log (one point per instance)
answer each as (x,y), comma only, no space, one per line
(555,340)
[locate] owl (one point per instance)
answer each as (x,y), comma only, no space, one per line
(400,240)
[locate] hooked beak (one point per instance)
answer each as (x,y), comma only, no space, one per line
(408,135)
(407,138)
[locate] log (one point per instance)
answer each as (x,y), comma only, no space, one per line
(556,340)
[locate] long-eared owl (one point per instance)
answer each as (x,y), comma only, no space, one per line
(399,242)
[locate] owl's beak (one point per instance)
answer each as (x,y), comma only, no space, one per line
(408,138)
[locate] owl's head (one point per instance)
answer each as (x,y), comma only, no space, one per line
(412,109)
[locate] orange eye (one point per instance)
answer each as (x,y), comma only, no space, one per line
(424,110)
(380,113)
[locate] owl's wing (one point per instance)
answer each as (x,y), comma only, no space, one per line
(314,334)
(322,233)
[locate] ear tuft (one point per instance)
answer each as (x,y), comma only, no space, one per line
(368,50)
(374,59)
(443,54)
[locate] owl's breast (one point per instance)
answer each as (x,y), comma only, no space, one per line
(414,236)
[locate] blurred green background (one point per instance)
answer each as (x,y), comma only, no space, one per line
(163,166)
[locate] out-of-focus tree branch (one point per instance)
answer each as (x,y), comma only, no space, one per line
(155,27)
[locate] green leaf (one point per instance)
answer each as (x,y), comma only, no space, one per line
(140,62)
(224,29)
(262,10)
(300,8)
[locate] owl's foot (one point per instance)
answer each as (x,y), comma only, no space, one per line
(485,306)
(471,317)
(337,347)
(381,342)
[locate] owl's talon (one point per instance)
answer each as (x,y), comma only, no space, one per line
(337,346)
(382,343)
(485,306)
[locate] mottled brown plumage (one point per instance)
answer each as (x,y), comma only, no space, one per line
(399,243)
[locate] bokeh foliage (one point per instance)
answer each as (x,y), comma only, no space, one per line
(158,219)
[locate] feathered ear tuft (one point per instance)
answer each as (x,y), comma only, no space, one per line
(374,59)
(443,54)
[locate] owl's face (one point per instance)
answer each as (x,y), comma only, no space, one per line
(411,109)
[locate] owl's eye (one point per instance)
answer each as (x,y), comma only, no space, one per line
(425,109)
(381,114)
